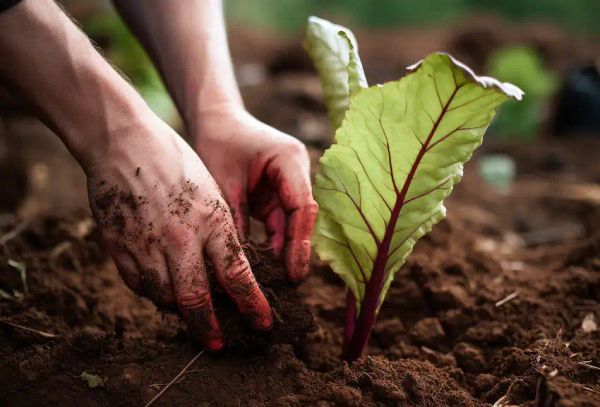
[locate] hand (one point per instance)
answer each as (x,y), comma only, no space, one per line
(160,211)
(264,173)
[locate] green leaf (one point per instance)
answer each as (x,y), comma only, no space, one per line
(334,52)
(398,154)
(92,380)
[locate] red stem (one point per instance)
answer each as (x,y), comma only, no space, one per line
(358,331)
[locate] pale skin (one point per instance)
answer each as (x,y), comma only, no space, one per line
(161,205)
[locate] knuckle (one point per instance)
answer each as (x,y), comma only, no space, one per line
(193,300)
(177,234)
(239,271)
(218,215)
(311,208)
(296,147)
(223,228)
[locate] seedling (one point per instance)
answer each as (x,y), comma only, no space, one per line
(399,150)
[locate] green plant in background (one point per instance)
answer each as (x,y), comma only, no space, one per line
(126,53)
(398,152)
(578,15)
(523,67)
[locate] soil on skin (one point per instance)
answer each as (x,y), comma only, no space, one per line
(502,299)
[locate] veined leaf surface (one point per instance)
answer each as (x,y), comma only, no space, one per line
(398,153)
(334,52)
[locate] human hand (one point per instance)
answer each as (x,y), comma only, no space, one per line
(264,173)
(160,212)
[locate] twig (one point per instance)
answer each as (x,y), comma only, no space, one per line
(41,333)
(6,296)
(181,373)
(159,386)
(587,364)
(13,233)
(508,298)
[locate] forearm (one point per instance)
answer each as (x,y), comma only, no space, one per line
(188,43)
(52,65)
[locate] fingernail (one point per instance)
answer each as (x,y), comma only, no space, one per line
(277,244)
(263,323)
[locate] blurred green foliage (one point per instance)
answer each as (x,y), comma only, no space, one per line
(125,52)
(523,67)
(291,15)
(518,65)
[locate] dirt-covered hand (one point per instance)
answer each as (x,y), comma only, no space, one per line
(160,212)
(264,173)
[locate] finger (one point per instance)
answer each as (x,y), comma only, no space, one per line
(233,273)
(239,212)
(267,208)
(145,274)
(128,269)
(192,294)
(291,176)
(155,281)
(275,224)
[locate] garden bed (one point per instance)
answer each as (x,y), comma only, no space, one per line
(491,303)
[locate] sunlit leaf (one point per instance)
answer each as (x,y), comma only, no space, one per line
(398,153)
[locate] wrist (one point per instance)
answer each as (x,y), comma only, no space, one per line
(210,107)
(138,139)
(119,120)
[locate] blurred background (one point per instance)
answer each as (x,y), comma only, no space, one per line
(540,45)
(549,48)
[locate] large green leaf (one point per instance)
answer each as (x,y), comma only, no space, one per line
(398,154)
(334,52)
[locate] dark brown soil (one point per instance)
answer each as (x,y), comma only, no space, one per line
(442,339)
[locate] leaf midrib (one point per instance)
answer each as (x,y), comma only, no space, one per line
(378,273)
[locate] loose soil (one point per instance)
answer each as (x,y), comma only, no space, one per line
(490,305)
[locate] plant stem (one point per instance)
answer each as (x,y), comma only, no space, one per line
(350,321)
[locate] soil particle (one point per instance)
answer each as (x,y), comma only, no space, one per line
(341,395)
(484,382)
(90,339)
(116,208)
(444,295)
(388,332)
(408,383)
(470,358)
(489,333)
(183,201)
(428,331)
